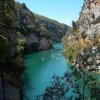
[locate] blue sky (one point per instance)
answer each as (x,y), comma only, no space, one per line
(64,11)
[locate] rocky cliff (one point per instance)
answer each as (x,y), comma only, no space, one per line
(84,41)
(40,32)
(90,18)
(11,61)
(89,28)
(82,48)
(57,29)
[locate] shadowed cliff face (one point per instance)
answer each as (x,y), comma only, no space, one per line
(40,32)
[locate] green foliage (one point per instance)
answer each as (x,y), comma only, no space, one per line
(57,30)
(7,14)
(72,46)
(24,6)
(21,41)
(13,66)
(11,62)
(29,24)
(4,49)
(72,51)
(20,46)
(74,25)
(48,20)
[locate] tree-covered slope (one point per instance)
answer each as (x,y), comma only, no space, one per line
(57,29)
(40,32)
(36,36)
(11,61)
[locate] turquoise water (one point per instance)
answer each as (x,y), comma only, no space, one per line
(41,66)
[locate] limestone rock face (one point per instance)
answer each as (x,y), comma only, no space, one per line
(86,37)
(40,32)
(57,29)
(44,44)
(90,18)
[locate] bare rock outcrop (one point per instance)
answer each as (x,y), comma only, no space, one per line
(90,18)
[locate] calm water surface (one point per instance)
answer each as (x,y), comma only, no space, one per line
(41,67)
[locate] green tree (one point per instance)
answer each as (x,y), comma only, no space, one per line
(75,25)
(8,22)
(7,14)
(3,56)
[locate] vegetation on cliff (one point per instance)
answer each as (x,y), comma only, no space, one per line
(11,61)
(21,31)
(40,32)
(57,29)
(8,40)
(82,51)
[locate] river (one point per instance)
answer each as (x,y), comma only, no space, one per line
(41,66)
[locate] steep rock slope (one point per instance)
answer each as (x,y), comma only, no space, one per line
(57,29)
(40,32)
(90,18)
(86,31)
(36,36)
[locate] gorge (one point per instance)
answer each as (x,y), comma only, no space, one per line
(33,60)
(21,32)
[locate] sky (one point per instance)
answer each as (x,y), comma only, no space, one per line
(64,11)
